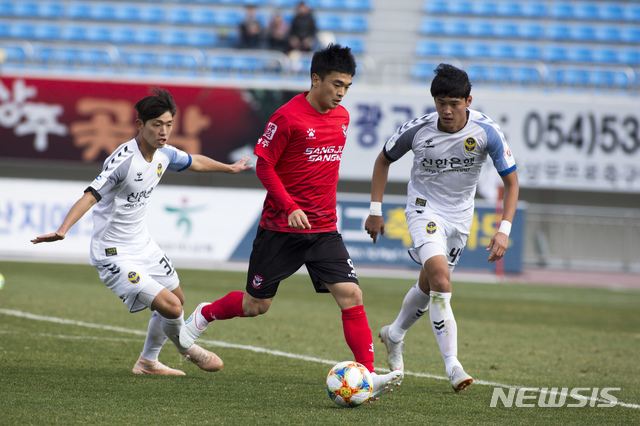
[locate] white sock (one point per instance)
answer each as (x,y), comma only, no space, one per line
(155,338)
(445,328)
(414,305)
(171,328)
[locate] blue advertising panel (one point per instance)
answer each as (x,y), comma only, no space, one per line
(391,250)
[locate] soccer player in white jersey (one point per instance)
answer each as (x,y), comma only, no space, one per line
(128,261)
(449,148)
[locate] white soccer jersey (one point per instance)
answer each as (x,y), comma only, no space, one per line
(446,166)
(123,190)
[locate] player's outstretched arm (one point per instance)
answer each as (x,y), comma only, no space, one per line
(76,212)
(375,223)
(500,241)
(202,163)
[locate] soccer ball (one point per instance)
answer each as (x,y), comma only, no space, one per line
(1,281)
(349,384)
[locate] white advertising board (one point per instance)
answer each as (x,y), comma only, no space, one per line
(580,142)
(195,226)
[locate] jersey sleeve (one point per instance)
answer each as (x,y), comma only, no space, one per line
(178,159)
(274,139)
(402,141)
(115,171)
(498,149)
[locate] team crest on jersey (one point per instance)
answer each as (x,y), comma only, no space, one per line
(257,281)
(311,134)
(431,228)
(344,130)
(470,144)
(134,278)
(159,170)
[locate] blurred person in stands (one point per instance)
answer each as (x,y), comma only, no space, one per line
(127,259)
(277,32)
(298,163)
(303,30)
(449,147)
(251,31)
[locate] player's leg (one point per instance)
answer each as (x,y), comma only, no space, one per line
(331,269)
(438,282)
(275,256)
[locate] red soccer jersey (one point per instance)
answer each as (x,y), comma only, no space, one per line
(304,147)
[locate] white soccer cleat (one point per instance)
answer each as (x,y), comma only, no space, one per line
(192,328)
(394,349)
(459,379)
(145,366)
(384,383)
(206,360)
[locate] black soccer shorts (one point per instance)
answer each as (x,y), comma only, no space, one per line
(278,255)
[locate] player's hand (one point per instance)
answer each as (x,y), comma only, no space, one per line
(298,220)
(240,166)
(498,246)
(373,225)
(48,238)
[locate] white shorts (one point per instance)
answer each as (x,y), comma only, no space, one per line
(433,235)
(137,280)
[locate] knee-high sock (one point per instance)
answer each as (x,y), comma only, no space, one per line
(414,305)
(229,306)
(155,338)
(171,328)
(445,328)
(358,335)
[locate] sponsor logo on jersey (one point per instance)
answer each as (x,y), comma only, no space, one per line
(134,278)
(470,144)
(507,153)
(138,177)
(429,143)
(421,202)
(324,153)
(344,131)
(257,281)
(270,131)
(159,170)
(431,228)
(111,251)
(311,134)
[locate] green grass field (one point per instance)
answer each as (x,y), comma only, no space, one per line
(67,346)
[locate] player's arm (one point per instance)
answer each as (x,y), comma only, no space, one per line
(500,241)
(375,223)
(82,206)
(202,163)
(266,173)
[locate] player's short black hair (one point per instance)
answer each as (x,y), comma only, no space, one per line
(450,82)
(333,58)
(153,106)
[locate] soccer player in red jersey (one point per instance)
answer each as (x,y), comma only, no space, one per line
(298,159)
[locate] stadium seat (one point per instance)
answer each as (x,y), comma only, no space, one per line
(605,55)
(51,9)
(572,77)
(47,31)
(631,35)
(148,35)
(180,15)
(481,28)
(583,32)
(611,11)
(460,7)
(431,27)
(527,75)
(607,78)
(503,51)
(22,29)
(356,43)
(506,30)
(178,60)
(26,9)
(630,56)
(555,53)
(103,12)
(128,12)
(632,13)
(530,52)
(558,31)
(562,10)
(421,71)
(509,8)
(428,48)
(141,59)
(587,11)
(5,29)
(608,33)
(532,30)
(6,8)
(455,49)
(476,50)
(484,8)
(202,38)
(579,54)
(437,7)
(79,10)
(534,9)
(100,33)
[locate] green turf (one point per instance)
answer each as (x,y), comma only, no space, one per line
(515,335)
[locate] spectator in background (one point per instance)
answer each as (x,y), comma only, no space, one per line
(303,31)
(251,31)
(277,33)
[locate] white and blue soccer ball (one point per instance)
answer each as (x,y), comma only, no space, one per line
(349,384)
(1,281)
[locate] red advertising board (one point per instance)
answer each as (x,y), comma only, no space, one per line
(86,120)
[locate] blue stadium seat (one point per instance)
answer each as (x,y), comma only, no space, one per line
(530,30)
(431,26)
(583,32)
(476,50)
(202,38)
(436,7)
(178,60)
(509,8)
(51,9)
(103,12)
(606,55)
(506,30)
(152,14)
(484,8)
(572,77)
(148,35)
(587,10)
(630,56)
(421,71)
(632,13)
(180,15)
(455,49)
(608,33)
(555,53)
(74,32)
(26,9)
(47,31)
(631,34)
(22,29)
(534,9)
(176,37)
(481,28)
(78,10)
(527,75)
(228,18)
(606,78)
(580,54)
(503,51)
(141,59)
(611,11)
(460,7)
(124,35)
(529,52)
(6,8)
(128,12)
(356,43)
(100,33)
(562,10)
(558,31)
(5,29)
(428,48)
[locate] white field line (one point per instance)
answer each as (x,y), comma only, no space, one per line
(267,351)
